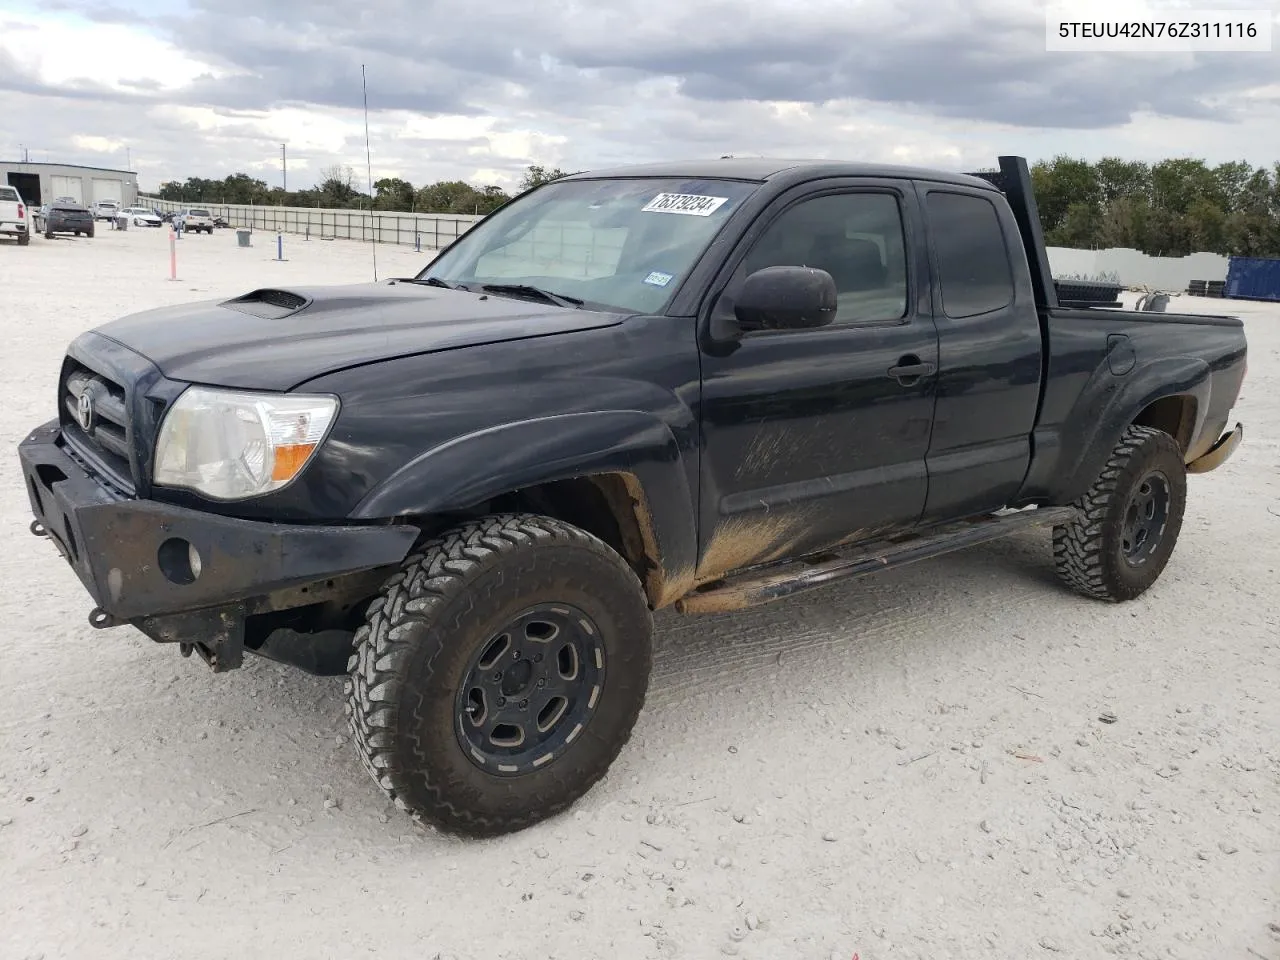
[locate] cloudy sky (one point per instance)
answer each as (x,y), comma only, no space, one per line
(479,90)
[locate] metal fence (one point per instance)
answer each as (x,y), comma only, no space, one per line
(427,231)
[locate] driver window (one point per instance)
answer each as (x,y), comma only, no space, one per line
(858,238)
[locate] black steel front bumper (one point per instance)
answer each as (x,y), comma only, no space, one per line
(133,556)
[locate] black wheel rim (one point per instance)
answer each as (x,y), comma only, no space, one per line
(530,690)
(1145,518)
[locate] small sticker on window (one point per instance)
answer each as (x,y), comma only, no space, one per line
(658,278)
(690,204)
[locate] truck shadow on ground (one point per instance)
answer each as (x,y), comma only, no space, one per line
(714,663)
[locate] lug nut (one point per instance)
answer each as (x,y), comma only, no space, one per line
(524,704)
(502,701)
(537,658)
(542,683)
(497,677)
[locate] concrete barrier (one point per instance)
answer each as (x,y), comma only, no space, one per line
(1134,268)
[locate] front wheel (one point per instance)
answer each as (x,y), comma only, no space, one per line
(499,673)
(1129,519)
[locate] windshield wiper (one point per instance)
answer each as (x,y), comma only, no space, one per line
(426,281)
(525,290)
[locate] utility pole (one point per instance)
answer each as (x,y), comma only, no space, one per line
(284,169)
(128,159)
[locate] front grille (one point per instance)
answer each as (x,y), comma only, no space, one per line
(106,441)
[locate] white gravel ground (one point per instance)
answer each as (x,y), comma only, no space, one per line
(906,766)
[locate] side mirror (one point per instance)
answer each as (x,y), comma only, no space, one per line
(786,298)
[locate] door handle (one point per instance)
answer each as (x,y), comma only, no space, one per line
(910,369)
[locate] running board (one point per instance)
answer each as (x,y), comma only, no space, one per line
(764,587)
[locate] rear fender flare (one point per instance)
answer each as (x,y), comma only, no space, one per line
(468,470)
(1109,405)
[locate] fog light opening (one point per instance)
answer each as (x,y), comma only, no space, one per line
(179,561)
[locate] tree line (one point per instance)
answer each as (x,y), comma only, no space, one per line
(1170,208)
(337,188)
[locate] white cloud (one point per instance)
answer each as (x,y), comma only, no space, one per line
(62,49)
(949,83)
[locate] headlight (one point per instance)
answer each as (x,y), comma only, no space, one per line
(230,445)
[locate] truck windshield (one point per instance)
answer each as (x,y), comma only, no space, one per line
(619,244)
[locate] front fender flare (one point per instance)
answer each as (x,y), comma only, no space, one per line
(470,469)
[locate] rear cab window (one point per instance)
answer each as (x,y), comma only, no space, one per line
(9,193)
(974,272)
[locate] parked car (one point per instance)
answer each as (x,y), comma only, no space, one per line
(744,379)
(141,217)
(15,221)
(106,210)
(64,216)
(194,220)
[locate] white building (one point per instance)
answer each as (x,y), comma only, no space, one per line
(41,183)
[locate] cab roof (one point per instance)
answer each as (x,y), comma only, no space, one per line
(762,169)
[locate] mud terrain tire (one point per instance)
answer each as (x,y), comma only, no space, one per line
(492,621)
(1129,519)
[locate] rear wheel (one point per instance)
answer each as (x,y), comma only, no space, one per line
(1129,520)
(500,673)
(24,239)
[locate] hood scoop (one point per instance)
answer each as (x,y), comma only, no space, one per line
(268,303)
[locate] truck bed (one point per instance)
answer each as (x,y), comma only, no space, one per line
(1097,356)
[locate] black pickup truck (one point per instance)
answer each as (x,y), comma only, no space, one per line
(696,386)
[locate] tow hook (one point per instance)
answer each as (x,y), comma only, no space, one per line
(37,527)
(102,620)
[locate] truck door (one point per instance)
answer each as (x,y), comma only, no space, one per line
(817,436)
(989,346)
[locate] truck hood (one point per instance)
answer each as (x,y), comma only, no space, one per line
(276,338)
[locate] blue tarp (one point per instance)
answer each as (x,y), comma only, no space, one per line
(1252,278)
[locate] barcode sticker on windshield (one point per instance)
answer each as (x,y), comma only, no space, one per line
(691,204)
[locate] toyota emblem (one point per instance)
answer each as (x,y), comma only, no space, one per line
(85,410)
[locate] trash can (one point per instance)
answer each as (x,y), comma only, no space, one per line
(1153,302)
(122,223)
(242,237)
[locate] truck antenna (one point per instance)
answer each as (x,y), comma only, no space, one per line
(368,161)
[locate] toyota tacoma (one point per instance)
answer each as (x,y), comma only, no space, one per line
(697,386)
